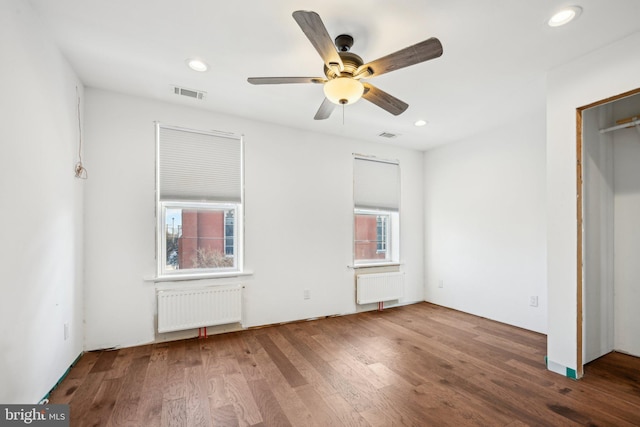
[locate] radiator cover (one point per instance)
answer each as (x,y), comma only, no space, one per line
(182,309)
(379,287)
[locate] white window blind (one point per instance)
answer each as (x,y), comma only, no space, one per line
(198,166)
(376,184)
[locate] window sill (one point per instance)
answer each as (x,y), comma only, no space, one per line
(373,265)
(189,277)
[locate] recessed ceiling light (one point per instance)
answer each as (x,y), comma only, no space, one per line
(420,123)
(564,16)
(197,64)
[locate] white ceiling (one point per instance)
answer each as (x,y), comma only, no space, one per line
(496,55)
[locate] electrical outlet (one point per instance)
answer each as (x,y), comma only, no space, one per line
(441,283)
(533,301)
(307,294)
(66,331)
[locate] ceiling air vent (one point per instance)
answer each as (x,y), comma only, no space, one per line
(191,93)
(388,135)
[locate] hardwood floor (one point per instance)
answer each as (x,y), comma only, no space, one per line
(418,365)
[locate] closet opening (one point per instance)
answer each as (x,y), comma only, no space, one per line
(608,227)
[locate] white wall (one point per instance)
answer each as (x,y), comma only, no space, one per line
(485,223)
(599,75)
(41,250)
(298,218)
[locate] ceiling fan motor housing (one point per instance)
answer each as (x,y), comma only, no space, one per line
(341,87)
(351,62)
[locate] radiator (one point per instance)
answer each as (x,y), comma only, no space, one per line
(379,287)
(195,308)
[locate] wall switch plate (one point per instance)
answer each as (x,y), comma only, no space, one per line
(307,294)
(533,301)
(66,331)
(441,283)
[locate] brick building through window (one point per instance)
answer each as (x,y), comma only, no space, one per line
(371,237)
(204,239)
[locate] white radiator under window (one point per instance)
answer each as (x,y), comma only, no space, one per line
(379,287)
(195,308)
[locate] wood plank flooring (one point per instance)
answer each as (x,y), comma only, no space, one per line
(417,365)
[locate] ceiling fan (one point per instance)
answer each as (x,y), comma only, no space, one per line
(344,70)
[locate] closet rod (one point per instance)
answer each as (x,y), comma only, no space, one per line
(635,122)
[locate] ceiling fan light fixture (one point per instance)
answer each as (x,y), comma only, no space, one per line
(343,90)
(564,16)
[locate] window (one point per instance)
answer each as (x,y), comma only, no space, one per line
(199,190)
(371,235)
(376,204)
(229,232)
(382,222)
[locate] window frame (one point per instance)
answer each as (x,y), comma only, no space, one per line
(392,237)
(213,206)
(162,273)
(377,190)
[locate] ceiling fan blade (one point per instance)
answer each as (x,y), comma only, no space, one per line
(325,110)
(284,80)
(383,100)
(420,52)
(316,32)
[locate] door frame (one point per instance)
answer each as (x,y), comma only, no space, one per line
(579,220)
